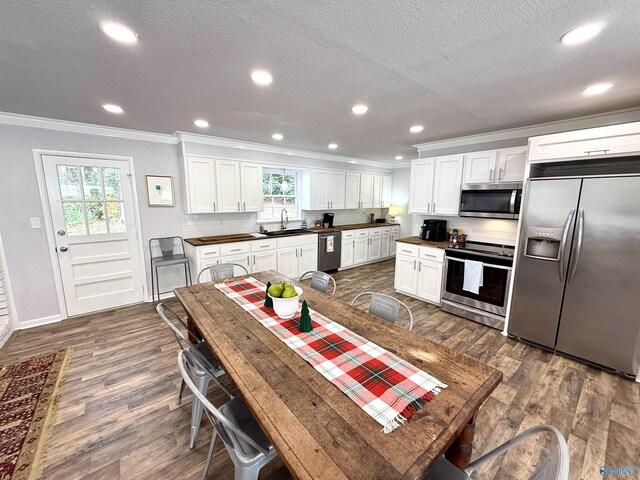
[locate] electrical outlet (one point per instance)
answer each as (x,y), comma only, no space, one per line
(35,222)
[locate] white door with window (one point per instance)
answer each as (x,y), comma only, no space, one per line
(92,212)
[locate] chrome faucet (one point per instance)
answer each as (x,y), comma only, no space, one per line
(284,219)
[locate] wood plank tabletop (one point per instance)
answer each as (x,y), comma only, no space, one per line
(316,429)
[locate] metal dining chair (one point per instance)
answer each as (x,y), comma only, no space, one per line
(202,376)
(553,467)
(385,306)
(222,271)
(320,281)
(246,443)
(167,252)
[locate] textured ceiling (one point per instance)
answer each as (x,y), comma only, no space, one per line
(456,66)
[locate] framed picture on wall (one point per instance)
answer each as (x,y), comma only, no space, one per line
(160,191)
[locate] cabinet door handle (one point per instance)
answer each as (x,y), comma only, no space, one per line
(296,253)
(331,204)
(491,175)
(238,206)
(214,206)
(236,249)
(244,206)
(428,207)
(603,151)
(414,264)
(254,259)
(500,174)
(248,261)
(327,204)
(419,267)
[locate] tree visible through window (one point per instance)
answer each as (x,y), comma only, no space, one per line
(280,190)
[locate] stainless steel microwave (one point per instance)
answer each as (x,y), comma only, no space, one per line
(491,201)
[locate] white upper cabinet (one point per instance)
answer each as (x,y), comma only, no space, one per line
(320,199)
(446,185)
(228,186)
(511,164)
(421,187)
(251,187)
(479,167)
(337,190)
(366,190)
(327,190)
(381,191)
(495,166)
(201,185)
(609,140)
(386,191)
(435,185)
(352,190)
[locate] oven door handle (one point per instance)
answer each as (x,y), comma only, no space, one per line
(485,264)
(512,203)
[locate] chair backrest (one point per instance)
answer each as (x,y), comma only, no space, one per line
(320,281)
(221,423)
(181,337)
(222,271)
(555,466)
(166,247)
(385,306)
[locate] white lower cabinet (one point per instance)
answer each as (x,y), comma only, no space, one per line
(243,259)
(386,244)
(429,280)
(360,250)
(392,244)
(406,274)
(262,261)
(288,261)
(308,259)
(419,272)
(375,248)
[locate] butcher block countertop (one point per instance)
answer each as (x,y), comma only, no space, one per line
(422,243)
(245,237)
(352,226)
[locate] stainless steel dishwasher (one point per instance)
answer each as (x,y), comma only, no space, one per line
(329,246)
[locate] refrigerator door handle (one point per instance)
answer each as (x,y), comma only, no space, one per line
(574,268)
(563,243)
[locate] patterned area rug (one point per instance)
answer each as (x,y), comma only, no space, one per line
(29,391)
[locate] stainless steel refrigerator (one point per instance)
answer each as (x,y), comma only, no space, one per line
(577,279)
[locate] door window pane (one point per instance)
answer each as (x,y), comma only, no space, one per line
(96,218)
(69,182)
(92,183)
(74,218)
(112,183)
(115,214)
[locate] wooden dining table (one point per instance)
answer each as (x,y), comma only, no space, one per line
(316,429)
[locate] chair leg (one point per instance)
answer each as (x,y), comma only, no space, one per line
(212,448)
(202,382)
(247,473)
(181,392)
(153,288)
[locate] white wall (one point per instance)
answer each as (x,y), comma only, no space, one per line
(26,249)
(400,198)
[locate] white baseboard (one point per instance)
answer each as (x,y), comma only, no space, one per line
(36,322)
(162,297)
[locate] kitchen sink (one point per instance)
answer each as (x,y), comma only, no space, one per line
(293,231)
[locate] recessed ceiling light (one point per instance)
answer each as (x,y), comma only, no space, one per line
(111,108)
(333,146)
(277,136)
(118,32)
(360,109)
(416,129)
(597,88)
(399,157)
(200,123)
(261,77)
(582,34)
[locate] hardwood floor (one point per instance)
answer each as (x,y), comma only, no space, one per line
(118,417)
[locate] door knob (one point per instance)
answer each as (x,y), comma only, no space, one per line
(61,232)
(63,249)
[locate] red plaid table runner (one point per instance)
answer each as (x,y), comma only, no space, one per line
(382,384)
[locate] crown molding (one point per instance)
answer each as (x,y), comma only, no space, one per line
(19,120)
(578,123)
(263,147)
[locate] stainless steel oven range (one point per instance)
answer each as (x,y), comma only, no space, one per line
(489,305)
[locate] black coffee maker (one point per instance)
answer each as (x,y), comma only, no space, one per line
(434,230)
(327,220)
